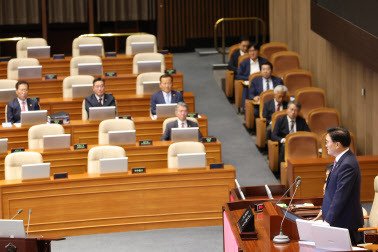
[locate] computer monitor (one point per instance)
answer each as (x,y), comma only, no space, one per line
(122,137)
(101,113)
(7,95)
(35,171)
(90,49)
(33,117)
(90,68)
(150,87)
(113,165)
(56,142)
(184,134)
(142,47)
(4,145)
(331,238)
(191,160)
(29,72)
(82,90)
(41,52)
(166,110)
(149,66)
(12,229)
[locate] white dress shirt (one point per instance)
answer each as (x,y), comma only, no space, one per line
(275,106)
(255,67)
(98,98)
(270,84)
(180,123)
(165,97)
(241,53)
(25,104)
(340,155)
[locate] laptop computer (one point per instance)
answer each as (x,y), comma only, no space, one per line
(12,228)
(35,171)
(90,49)
(101,113)
(33,117)
(331,238)
(150,87)
(41,52)
(191,160)
(29,72)
(90,68)
(113,165)
(56,142)
(4,145)
(7,95)
(122,137)
(184,134)
(165,110)
(82,90)
(142,47)
(149,66)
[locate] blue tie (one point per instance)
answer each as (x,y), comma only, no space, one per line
(168,101)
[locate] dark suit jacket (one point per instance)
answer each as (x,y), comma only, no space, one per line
(158,98)
(341,202)
(281,128)
(14,109)
(269,109)
(245,68)
(167,133)
(257,86)
(91,101)
(233,63)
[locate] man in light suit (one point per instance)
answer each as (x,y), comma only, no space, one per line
(21,103)
(234,59)
(99,98)
(181,122)
(251,66)
(341,203)
(166,95)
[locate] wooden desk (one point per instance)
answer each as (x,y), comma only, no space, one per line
(122,64)
(87,132)
(89,204)
(312,171)
(152,157)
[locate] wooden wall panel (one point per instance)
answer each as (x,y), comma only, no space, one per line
(339,73)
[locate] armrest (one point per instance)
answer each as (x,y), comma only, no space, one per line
(255,103)
(229,83)
(368,229)
(249,116)
(261,132)
(273,155)
(366,217)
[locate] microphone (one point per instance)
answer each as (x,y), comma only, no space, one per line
(27,232)
(281,238)
(18,212)
(296,180)
(240,191)
(268,192)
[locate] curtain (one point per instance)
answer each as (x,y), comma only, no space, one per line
(125,10)
(15,12)
(67,11)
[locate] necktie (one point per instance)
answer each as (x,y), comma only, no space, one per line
(292,126)
(267,85)
(278,107)
(99,102)
(182,126)
(168,101)
(23,106)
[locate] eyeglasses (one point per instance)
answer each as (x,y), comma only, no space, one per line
(182,112)
(23,90)
(98,87)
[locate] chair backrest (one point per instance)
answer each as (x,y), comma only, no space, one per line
(284,61)
(14,161)
(113,125)
(310,98)
(182,148)
(233,49)
(22,45)
(254,76)
(6,84)
(352,145)
(277,115)
(268,49)
(242,58)
(301,144)
(171,119)
(100,152)
(320,119)
(13,64)
(373,219)
(145,77)
(296,79)
(74,70)
(264,97)
(36,133)
(85,41)
(147,57)
(139,38)
(75,80)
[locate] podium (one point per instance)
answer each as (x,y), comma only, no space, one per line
(30,244)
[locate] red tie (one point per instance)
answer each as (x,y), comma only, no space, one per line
(99,102)
(278,107)
(23,106)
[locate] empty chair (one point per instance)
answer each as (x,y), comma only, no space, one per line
(22,46)
(242,90)
(85,41)
(273,147)
(148,57)
(297,79)
(75,80)
(13,163)
(7,84)
(171,119)
(310,98)
(36,133)
(13,64)
(74,69)
(268,49)
(100,152)
(145,77)
(320,119)
(113,125)
(139,38)
(233,49)
(284,62)
(261,122)
(352,145)
(183,148)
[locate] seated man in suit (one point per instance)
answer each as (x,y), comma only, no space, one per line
(243,47)
(181,122)
(274,105)
(99,98)
(251,66)
(166,95)
(290,123)
(261,84)
(21,103)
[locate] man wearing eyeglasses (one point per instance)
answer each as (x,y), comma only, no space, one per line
(21,103)
(181,112)
(99,98)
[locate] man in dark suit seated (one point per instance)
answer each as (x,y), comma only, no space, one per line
(274,105)
(251,66)
(166,95)
(290,123)
(21,103)
(181,122)
(99,98)
(261,84)
(243,47)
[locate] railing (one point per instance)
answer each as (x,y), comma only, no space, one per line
(12,39)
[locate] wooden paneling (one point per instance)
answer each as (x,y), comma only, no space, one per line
(339,73)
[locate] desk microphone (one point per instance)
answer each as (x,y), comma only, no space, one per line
(18,212)
(281,238)
(296,180)
(27,232)
(240,191)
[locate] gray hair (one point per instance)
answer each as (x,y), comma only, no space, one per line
(280,88)
(182,104)
(297,104)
